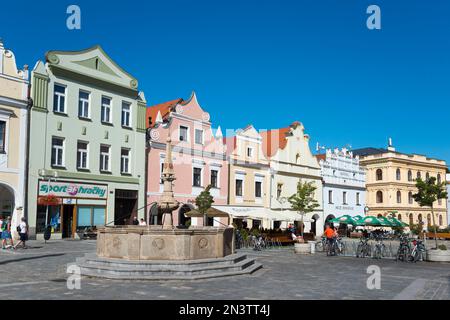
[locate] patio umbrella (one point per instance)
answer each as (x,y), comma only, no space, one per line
(385,222)
(358,217)
(346,219)
(371,221)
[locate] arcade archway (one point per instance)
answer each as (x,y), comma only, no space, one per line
(7,201)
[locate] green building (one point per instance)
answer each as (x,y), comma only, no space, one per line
(87,144)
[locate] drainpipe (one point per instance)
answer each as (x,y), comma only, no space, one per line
(27,152)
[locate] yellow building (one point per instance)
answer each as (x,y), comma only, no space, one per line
(248,174)
(13,131)
(391,179)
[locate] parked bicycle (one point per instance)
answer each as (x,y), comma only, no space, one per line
(380,250)
(364,249)
(417,252)
(404,249)
(322,245)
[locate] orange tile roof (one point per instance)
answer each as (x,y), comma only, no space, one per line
(273,140)
(164,108)
(322,156)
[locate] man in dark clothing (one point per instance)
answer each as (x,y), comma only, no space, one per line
(135,221)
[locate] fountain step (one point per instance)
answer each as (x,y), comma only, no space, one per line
(191,270)
(93,260)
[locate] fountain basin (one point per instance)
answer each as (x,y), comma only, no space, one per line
(158,243)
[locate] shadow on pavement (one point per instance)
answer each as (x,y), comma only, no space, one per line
(31,258)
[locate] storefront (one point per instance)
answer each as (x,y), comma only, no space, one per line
(70,207)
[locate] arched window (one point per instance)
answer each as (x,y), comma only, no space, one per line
(410,198)
(398,175)
(440,220)
(399,217)
(297,158)
(379,174)
(429,219)
(379,197)
(439,178)
(410,178)
(427,176)
(399,197)
(419,218)
(419,175)
(411,219)
(379,215)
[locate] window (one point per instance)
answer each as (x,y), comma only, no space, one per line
(279,190)
(427,176)
(126,114)
(410,178)
(358,201)
(258,189)
(162,169)
(125,161)
(399,197)
(214,178)
(82,155)
(410,198)
(104,158)
(399,217)
(106,110)
(183,133)
(419,175)
(398,175)
(198,136)
(379,197)
(57,152)
(411,219)
(238,188)
(59,98)
(330,196)
(379,174)
(90,216)
(438,178)
(429,219)
(344,197)
(249,152)
(419,218)
(2,136)
(440,221)
(197,177)
(83,104)
(297,158)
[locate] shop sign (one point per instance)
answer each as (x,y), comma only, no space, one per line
(73,190)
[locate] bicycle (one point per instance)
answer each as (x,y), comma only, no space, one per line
(404,250)
(321,245)
(332,249)
(364,249)
(340,246)
(417,252)
(380,248)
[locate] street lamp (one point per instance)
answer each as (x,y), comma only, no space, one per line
(48,177)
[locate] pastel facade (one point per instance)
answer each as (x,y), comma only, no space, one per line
(13,136)
(448,199)
(290,161)
(344,184)
(390,180)
(87,144)
(199,157)
(249,179)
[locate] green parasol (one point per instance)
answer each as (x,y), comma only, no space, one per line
(385,222)
(346,219)
(371,221)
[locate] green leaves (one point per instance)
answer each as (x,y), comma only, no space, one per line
(303,201)
(203,202)
(429,192)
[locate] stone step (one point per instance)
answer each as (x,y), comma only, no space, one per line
(90,259)
(99,273)
(167,269)
(237,264)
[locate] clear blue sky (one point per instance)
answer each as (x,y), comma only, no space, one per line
(271,62)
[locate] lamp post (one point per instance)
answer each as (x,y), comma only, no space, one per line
(47,177)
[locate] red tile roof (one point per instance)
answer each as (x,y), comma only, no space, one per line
(273,140)
(164,108)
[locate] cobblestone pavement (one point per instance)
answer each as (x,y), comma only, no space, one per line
(40,273)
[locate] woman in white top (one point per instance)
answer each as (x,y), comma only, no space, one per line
(23,232)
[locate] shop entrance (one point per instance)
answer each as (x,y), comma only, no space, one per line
(67,223)
(125,206)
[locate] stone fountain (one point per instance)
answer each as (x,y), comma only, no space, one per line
(162,252)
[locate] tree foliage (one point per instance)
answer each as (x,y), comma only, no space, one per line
(203,202)
(303,200)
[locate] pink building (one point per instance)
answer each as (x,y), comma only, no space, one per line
(199,157)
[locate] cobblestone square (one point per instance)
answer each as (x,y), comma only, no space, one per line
(40,273)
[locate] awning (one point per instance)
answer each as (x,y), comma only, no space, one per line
(211,213)
(258,213)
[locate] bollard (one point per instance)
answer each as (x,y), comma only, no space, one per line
(313,247)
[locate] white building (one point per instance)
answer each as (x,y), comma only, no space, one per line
(344,184)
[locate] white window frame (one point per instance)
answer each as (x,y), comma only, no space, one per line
(187,133)
(128,158)
(62,149)
(239,176)
(58,94)
(203,136)
(85,103)
(201,176)
(330,197)
(4,116)
(251,152)
(106,106)
(83,151)
(108,169)
(218,179)
(344,197)
(129,125)
(358,198)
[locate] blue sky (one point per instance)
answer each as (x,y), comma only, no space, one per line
(269,63)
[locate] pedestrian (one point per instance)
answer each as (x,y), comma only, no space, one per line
(22,228)
(142,222)
(135,221)
(6,233)
(1,223)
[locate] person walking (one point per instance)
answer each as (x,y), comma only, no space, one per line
(142,222)
(1,224)
(6,233)
(22,228)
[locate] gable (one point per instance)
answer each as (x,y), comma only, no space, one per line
(94,63)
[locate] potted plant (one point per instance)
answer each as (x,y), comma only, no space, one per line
(429,191)
(303,202)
